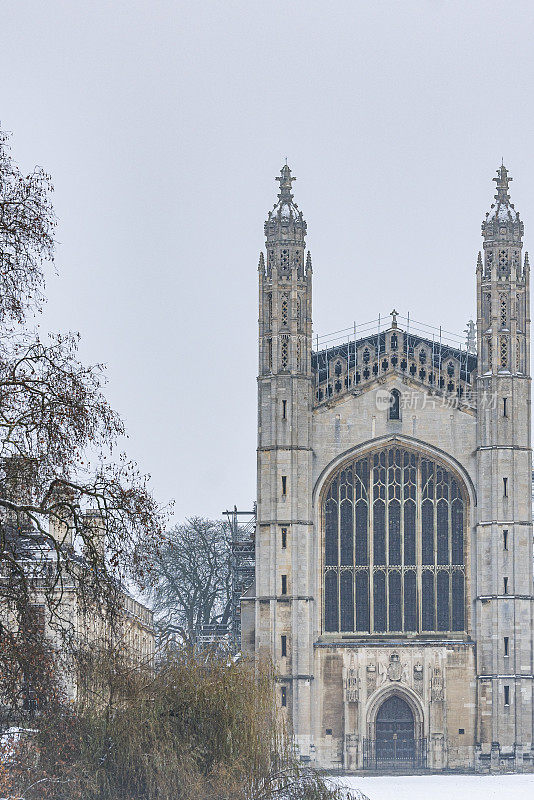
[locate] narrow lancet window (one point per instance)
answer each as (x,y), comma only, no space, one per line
(394,404)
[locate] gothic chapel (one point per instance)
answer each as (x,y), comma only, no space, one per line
(394,561)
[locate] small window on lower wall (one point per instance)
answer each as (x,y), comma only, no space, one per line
(283,696)
(506,695)
(461,730)
(329,731)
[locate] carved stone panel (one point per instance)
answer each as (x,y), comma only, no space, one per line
(418,678)
(394,670)
(371,678)
(436,685)
(351,685)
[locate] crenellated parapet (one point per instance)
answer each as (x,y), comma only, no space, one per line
(357,365)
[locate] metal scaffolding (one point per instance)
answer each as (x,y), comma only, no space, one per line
(243,527)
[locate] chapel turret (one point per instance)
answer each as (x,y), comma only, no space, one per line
(502,280)
(284,508)
(503,597)
(285,287)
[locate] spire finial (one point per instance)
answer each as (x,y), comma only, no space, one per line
(394,314)
(479,262)
(502,180)
(285,181)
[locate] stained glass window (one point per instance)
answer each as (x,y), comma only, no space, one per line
(394,538)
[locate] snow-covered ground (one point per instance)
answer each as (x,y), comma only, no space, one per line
(442,787)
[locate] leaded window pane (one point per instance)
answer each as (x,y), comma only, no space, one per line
(410,601)
(347,601)
(362,601)
(346,532)
(457,525)
(379,533)
(428,532)
(394,602)
(361,533)
(409,532)
(331,533)
(442,525)
(394,533)
(443,601)
(331,601)
(458,601)
(379,600)
(428,610)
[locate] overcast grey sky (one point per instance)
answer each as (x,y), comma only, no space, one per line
(164,124)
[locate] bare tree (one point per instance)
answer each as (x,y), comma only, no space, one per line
(57,440)
(192,569)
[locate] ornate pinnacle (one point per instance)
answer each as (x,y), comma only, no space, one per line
(479,262)
(471,337)
(527,264)
(308,263)
(394,314)
(502,180)
(261,264)
(285,181)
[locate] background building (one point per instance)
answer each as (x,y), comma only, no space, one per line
(393,580)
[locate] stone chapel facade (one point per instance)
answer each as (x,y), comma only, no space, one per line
(394,555)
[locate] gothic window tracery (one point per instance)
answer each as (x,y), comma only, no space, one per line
(285,310)
(284,259)
(503,261)
(394,534)
(299,356)
(503,302)
(366,356)
(284,352)
(503,347)
(518,355)
(487,302)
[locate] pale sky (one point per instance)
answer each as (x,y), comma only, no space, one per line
(164,125)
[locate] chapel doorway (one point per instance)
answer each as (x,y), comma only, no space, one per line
(395,745)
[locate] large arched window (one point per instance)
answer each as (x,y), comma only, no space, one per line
(394,533)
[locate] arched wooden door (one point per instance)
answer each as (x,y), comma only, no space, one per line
(395,731)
